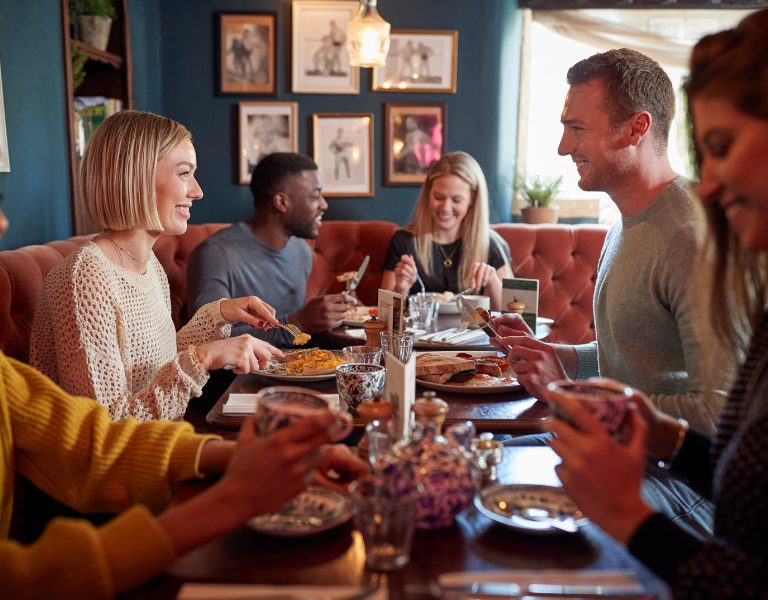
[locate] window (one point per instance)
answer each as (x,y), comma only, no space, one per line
(555,40)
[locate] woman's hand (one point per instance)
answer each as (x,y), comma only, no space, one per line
(339,465)
(405,274)
(485,276)
(602,476)
(249,309)
(245,353)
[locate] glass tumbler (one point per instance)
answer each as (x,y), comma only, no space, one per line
(369,355)
(398,344)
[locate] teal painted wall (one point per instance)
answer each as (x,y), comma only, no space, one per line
(173,70)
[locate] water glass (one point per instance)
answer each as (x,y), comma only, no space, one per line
(380,441)
(423,309)
(385,519)
(369,355)
(398,344)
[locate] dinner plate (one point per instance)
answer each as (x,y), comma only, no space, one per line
(357,315)
(463,388)
(273,363)
(539,509)
(314,510)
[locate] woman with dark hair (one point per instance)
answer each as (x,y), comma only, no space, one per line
(728,95)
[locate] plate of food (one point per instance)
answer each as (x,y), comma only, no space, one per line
(448,305)
(314,510)
(357,315)
(478,372)
(311,364)
(540,509)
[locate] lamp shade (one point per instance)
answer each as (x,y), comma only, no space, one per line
(367,37)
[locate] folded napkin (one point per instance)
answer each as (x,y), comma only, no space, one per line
(467,336)
(618,581)
(215,591)
(243,404)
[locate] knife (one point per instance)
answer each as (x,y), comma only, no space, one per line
(478,318)
(355,281)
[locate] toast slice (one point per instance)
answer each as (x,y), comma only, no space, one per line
(439,368)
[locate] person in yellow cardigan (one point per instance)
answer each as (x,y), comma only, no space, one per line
(69,447)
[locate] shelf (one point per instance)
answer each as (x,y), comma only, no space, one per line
(100,55)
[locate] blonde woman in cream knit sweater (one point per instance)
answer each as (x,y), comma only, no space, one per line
(103,326)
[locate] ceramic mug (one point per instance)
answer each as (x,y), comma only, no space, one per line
(359,382)
(281,406)
(475,301)
(607,399)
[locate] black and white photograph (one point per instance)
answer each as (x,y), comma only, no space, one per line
(265,127)
(419,61)
(342,148)
(247,53)
(5,160)
(414,138)
(320,62)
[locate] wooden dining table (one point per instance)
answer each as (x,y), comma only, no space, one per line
(337,557)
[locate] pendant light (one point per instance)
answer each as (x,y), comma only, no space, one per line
(367,37)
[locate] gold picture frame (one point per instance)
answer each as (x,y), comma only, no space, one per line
(342,146)
(414,138)
(263,128)
(246,46)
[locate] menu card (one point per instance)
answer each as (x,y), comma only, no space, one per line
(521,296)
(400,391)
(391,310)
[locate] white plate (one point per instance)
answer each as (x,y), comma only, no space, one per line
(314,510)
(448,308)
(531,508)
(297,378)
(357,315)
(463,388)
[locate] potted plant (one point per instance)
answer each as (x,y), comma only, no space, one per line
(538,191)
(94,20)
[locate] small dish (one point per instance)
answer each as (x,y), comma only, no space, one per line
(537,509)
(313,511)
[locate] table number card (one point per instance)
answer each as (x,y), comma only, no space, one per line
(521,296)
(400,390)
(391,310)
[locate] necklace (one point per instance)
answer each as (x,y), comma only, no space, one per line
(128,253)
(447,258)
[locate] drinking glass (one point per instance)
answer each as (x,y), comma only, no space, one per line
(370,355)
(398,344)
(423,309)
(386,519)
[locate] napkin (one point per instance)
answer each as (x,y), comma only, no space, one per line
(243,404)
(467,336)
(215,591)
(617,580)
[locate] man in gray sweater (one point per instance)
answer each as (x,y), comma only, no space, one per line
(615,127)
(268,256)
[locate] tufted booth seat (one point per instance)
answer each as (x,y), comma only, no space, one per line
(564,259)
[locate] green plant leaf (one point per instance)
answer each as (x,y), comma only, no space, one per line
(537,190)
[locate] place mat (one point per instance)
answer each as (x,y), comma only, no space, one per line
(217,591)
(244,404)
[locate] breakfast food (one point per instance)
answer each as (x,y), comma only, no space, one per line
(487,365)
(345,276)
(301,338)
(306,362)
(439,368)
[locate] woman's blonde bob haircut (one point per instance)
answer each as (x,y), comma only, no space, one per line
(475,229)
(117,173)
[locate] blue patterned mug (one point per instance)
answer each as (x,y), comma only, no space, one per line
(358,382)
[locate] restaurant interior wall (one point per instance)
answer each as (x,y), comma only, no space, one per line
(173,72)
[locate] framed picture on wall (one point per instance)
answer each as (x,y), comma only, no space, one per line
(264,127)
(342,146)
(246,46)
(5,160)
(319,59)
(419,60)
(414,138)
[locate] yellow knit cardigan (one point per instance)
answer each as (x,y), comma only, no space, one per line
(69,448)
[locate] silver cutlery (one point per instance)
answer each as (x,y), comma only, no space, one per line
(481,321)
(355,281)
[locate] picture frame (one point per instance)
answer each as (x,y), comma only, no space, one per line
(414,137)
(319,59)
(263,128)
(5,159)
(247,53)
(342,146)
(419,60)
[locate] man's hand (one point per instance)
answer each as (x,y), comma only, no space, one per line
(536,364)
(509,324)
(323,313)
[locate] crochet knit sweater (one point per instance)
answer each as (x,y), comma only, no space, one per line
(68,447)
(106,333)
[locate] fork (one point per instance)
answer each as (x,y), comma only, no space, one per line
(299,337)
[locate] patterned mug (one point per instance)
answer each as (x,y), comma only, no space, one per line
(607,399)
(358,382)
(281,406)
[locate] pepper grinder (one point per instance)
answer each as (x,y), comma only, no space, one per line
(430,408)
(371,410)
(373,327)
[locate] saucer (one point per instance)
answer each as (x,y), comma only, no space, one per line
(313,511)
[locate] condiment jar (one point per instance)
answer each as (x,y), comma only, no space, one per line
(373,327)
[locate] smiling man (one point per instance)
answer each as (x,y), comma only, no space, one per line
(268,255)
